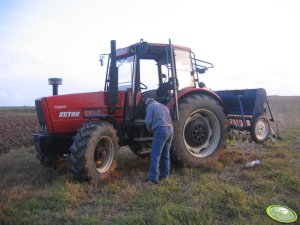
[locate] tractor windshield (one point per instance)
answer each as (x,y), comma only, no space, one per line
(184,69)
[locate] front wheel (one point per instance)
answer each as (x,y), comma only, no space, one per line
(94,152)
(46,159)
(199,135)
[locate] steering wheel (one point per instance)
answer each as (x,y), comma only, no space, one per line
(143,86)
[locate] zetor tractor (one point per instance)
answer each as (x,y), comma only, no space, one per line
(89,128)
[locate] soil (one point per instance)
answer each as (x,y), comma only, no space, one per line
(17,125)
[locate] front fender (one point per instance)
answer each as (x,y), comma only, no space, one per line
(109,119)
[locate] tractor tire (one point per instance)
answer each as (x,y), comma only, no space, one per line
(199,134)
(94,152)
(46,159)
(260,130)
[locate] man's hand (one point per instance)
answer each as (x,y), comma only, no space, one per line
(149,129)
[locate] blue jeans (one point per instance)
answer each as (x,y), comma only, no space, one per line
(160,154)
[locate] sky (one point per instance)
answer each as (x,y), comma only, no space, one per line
(252,43)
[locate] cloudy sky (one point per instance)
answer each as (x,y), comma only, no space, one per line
(252,43)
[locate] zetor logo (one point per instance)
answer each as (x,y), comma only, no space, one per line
(68,114)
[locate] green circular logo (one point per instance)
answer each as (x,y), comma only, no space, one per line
(281,214)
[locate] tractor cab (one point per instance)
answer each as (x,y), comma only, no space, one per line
(152,70)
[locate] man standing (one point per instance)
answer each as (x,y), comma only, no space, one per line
(158,120)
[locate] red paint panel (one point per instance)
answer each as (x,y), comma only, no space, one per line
(66,112)
(122,52)
(66,121)
(83,100)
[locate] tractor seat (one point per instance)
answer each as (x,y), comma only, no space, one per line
(163,90)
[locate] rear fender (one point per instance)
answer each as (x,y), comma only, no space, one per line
(189,91)
(109,119)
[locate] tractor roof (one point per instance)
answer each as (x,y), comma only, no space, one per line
(148,50)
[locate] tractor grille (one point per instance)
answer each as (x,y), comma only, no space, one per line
(40,114)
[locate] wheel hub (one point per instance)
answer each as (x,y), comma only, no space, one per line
(262,129)
(103,154)
(196,133)
(100,155)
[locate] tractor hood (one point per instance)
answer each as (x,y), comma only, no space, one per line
(78,101)
(66,113)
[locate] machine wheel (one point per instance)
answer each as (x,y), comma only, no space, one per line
(260,129)
(46,159)
(94,151)
(199,135)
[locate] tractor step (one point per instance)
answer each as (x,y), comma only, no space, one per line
(143,139)
(144,152)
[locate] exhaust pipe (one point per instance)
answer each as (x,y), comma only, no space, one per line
(113,78)
(55,82)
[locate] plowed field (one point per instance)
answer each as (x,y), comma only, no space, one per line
(17,125)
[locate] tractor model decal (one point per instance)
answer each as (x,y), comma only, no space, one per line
(68,114)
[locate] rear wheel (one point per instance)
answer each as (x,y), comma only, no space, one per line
(94,152)
(260,130)
(199,135)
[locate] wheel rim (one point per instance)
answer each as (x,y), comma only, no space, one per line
(262,129)
(201,133)
(103,155)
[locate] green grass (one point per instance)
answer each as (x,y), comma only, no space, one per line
(222,193)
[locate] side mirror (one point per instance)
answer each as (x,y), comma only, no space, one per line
(201,85)
(101,59)
(201,70)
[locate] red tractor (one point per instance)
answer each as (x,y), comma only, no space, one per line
(90,127)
